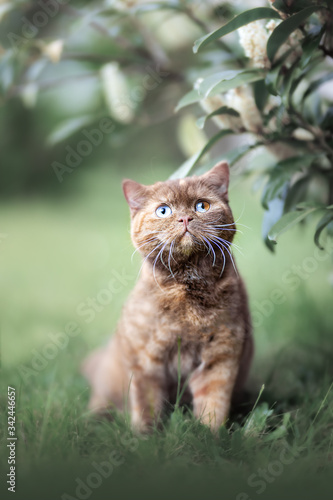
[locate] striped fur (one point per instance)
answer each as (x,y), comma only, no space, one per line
(189,289)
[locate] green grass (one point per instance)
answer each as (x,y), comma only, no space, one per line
(60,251)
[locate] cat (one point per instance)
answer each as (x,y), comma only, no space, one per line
(189,296)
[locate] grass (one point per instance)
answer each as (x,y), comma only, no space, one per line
(60,251)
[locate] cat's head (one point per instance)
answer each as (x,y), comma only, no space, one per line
(183,217)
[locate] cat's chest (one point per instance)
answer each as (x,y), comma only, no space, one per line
(185,358)
(189,308)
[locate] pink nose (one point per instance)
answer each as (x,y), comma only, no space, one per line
(186,219)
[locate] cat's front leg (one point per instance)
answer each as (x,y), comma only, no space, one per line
(212,383)
(146,400)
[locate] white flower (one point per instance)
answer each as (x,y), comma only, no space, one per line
(4,9)
(302,134)
(117,93)
(241,99)
(122,5)
(215,102)
(253,38)
(272,24)
(29,94)
(54,50)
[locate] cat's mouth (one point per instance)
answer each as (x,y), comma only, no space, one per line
(186,234)
(186,240)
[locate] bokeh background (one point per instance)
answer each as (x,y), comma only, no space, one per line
(64,232)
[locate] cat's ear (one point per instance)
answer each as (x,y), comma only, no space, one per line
(218,177)
(135,194)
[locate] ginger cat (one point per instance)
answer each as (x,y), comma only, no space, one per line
(189,289)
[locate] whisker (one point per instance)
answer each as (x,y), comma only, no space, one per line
(230,255)
(171,253)
(143,244)
(238,224)
(211,248)
(169,258)
(225,246)
(156,259)
(233,223)
(166,267)
(227,229)
(222,253)
(203,240)
(232,244)
(227,242)
(145,259)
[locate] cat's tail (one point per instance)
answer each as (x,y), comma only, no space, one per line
(104,371)
(90,363)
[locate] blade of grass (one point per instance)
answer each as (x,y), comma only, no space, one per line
(322,404)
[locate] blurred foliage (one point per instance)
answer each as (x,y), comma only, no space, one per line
(264,73)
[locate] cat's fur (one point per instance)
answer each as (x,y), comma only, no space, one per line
(192,293)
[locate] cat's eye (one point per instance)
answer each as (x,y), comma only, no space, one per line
(202,206)
(163,211)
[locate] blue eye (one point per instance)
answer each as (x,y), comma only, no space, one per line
(202,206)
(163,211)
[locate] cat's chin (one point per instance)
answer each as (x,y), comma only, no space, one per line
(185,245)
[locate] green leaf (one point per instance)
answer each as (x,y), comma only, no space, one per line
(153,6)
(304,205)
(236,80)
(316,84)
(274,188)
(236,154)
(310,44)
(187,166)
(231,157)
(281,6)
(260,94)
(284,29)
(206,85)
(190,98)
(280,431)
(271,216)
(8,70)
(68,127)
(289,220)
(296,193)
(296,81)
(290,7)
(327,121)
(286,83)
(258,420)
(6,7)
(223,110)
(237,22)
(217,83)
(274,76)
(281,174)
(324,221)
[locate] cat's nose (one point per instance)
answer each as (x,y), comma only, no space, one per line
(185,219)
